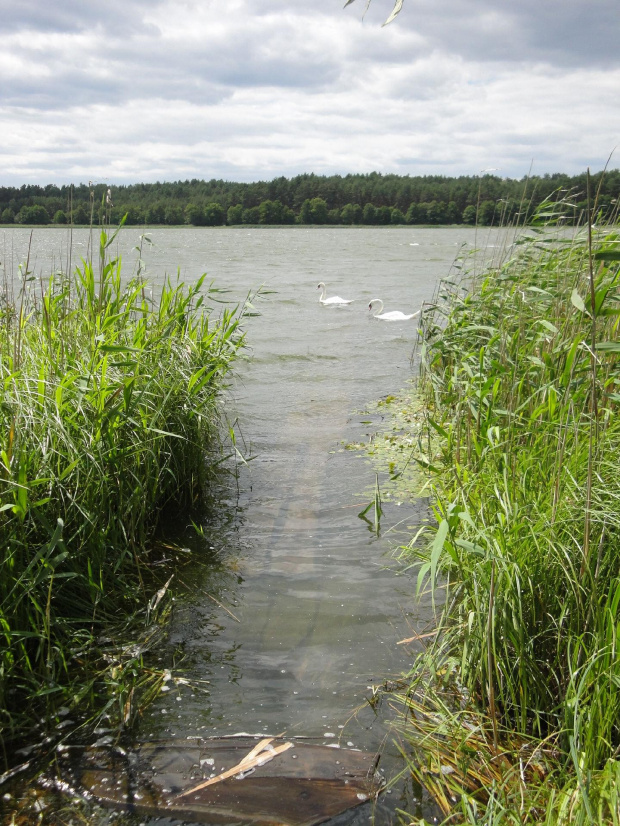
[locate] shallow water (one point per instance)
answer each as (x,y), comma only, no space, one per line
(297,614)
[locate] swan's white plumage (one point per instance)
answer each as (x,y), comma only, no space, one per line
(393,315)
(334,299)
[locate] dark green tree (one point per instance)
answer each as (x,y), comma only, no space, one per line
(251,215)
(60,217)
(351,214)
(469,214)
(234,215)
(270,212)
(35,214)
(453,214)
(436,213)
(486,213)
(194,215)
(313,211)
(8,216)
(384,215)
(155,214)
(369,216)
(416,214)
(133,215)
(214,215)
(80,215)
(288,216)
(173,215)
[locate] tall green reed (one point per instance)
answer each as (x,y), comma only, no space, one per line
(109,419)
(520,376)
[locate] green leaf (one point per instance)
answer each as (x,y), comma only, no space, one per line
(538,290)
(422,572)
(442,431)
(166,433)
(118,348)
(69,468)
(437,547)
(548,325)
(607,255)
(577,301)
(423,462)
(470,547)
(569,361)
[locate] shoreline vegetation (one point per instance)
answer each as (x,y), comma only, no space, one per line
(511,711)
(110,425)
(109,419)
(361,200)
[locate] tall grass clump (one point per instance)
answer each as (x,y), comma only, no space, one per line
(108,409)
(513,713)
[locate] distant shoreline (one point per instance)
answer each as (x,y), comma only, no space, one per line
(352,200)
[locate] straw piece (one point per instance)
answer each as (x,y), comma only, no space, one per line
(417,637)
(258,756)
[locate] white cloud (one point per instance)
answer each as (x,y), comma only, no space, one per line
(171,90)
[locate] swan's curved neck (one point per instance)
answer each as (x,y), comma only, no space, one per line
(323,290)
(379,309)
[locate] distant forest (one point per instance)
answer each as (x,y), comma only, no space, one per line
(372,199)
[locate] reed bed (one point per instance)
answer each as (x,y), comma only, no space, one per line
(108,412)
(512,714)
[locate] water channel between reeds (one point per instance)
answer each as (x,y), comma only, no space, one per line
(297,613)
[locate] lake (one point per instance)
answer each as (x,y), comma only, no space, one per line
(294,612)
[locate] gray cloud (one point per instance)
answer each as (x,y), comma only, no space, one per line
(558,32)
(132,90)
(113,16)
(80,64)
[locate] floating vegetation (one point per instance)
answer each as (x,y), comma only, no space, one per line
(395,446)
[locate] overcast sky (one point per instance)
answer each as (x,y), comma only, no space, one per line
(122,91)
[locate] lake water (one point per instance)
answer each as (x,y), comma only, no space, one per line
(297,613)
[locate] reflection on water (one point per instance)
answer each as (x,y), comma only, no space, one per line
(291,614)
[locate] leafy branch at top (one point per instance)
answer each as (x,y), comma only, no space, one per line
(397,7)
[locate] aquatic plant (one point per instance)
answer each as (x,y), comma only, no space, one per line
(109,421)
(513,711)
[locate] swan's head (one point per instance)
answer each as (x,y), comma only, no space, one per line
(320,286)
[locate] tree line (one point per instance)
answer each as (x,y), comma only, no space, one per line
(371,199)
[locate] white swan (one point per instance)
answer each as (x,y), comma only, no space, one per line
(394,315)
(334,299)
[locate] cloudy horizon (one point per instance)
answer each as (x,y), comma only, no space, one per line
(127,92)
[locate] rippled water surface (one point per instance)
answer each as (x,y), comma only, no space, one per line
(298,613)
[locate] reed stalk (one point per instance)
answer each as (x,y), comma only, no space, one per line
(109,412)
(521,379)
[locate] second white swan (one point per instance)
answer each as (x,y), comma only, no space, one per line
(393,315)
(334,299)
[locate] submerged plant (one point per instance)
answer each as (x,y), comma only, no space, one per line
(375,506)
